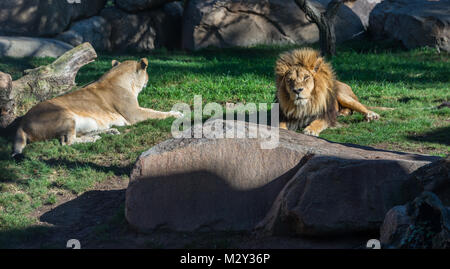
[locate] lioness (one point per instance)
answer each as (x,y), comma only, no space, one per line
(310,96)
(109,101)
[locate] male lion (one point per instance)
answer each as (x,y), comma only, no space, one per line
(109,101)
(309,95)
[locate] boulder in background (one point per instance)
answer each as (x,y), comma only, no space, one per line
(95,30)
(415,23)
(229,23)
(146,30)
(19,47)
(43,18)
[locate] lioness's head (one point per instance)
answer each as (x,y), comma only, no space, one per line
(303,75)
(129,74)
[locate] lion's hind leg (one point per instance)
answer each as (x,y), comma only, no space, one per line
(347,99)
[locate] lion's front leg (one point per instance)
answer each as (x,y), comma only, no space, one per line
(154,114)
(316,127)
(142,114)
(283,125)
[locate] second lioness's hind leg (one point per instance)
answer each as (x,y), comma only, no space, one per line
(69,134)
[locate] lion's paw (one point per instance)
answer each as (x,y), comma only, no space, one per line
(308,131)
(370,116)
(176,114)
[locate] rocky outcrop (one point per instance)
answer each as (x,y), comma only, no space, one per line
(434,177)
(95,30)
(145,30)
(19,47)
(422,223)
(228,23)
(415,23)
(228,184)
(43,18)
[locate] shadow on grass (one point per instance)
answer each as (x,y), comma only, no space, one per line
(438,135)
(67,164)
(79,218)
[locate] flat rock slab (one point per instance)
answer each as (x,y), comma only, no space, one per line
(226,184)
(19,47)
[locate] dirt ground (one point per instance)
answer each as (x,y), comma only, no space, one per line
(96,218)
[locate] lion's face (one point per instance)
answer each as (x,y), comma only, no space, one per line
(299,85)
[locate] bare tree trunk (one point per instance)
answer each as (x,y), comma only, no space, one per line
(325,21)
(42,83)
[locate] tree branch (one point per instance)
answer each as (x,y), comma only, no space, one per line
(310,10)
(42,83)
(324,21)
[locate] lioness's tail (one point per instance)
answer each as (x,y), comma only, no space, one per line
(19,142)
(381,108)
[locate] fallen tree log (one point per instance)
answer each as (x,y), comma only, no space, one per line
(42,83)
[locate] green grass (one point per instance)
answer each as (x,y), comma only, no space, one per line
(413,82)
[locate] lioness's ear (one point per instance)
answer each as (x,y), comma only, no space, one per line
(115,63)
(318,64)
(143,63)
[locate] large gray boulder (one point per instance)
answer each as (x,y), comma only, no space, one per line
(95,30)
(363,8)
(19,47)
(333,195)
(415,23)
(209,183)
(228,23)
(139,5)
(145,30)
(44,18)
